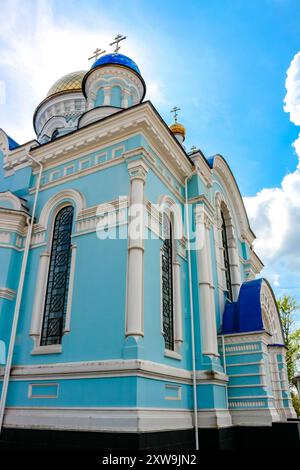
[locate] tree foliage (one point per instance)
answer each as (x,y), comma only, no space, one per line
(288,307)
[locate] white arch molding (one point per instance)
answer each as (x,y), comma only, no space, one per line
(233,197)
(47,221)
(221,206)
(73,196)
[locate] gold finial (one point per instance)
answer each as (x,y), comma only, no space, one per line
(96,53)
(118,38)
(174,110)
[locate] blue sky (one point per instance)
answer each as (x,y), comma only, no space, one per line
(223,62)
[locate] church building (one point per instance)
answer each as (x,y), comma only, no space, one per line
(131,308)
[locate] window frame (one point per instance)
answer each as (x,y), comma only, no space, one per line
(42,343)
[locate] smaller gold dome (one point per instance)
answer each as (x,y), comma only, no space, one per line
(70,82)
(178,128)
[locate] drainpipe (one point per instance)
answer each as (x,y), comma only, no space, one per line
(225,367)
(195,401)
(19,298)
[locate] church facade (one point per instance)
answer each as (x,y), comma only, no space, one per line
(130,300)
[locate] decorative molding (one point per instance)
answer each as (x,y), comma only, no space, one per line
(6,293)
(109,368)
(98,419)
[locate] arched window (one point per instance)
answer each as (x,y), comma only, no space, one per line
(58,278)
(167,285)
(116,96)
(226,259)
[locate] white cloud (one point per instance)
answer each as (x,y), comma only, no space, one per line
(274,213)
(292,84)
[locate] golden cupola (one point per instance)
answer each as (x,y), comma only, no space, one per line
(59,112)
(176,128)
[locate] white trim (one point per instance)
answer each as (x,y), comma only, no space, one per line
(40,294)
(111,368)
(98,419)
(176,388)
(48,349)
(173,354)
(82,163)
(67,167)
(67,327)
(216,418)
(35,385)
(6,293)
(116,149)
(53,174)
(101,155)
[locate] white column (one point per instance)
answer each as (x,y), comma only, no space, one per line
(135,269)
(40,292)
(206,287)
(177,302)
(220,261)
(107,95)
(125,95)
(234,262)
(67,327)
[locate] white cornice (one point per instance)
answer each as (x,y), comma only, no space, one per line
(6,293)
(114,368)
(141,118)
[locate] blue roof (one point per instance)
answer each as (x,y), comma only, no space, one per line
(119,59)
(245,314)
(12,144)
(210,161)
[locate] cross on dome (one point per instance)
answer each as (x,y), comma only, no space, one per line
(174,110)
(117,40)
(96,53)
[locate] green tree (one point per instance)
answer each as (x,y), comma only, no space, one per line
(288,307)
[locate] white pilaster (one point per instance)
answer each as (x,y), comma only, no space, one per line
(177,303)
(125,95)
(107,95)
(40,292)
(234,263)
(206,287)
(135,269)
(67,326)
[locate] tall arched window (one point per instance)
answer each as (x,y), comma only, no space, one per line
(167,285)
(226,259)
(58,278)
(116,96)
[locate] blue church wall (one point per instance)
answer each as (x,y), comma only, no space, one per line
(245,364)
(6,318)
(99,307)
(154,346)
(100,392)
(210,396)
(10,260)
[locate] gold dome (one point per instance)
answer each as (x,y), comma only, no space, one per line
(70,82)
(178,128)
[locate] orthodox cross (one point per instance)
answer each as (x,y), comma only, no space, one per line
(97,52)
(118,38)
(174,110)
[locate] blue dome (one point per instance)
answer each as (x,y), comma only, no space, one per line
(119,59)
